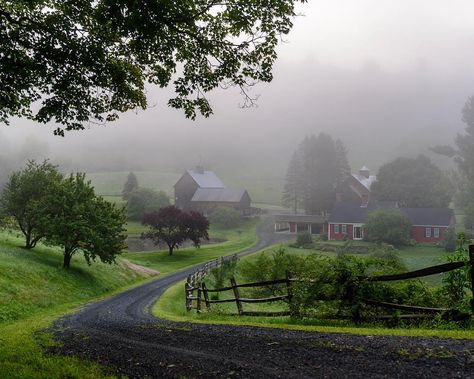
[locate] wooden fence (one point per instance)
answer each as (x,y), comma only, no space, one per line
(195,283)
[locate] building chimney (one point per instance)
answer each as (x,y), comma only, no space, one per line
(364,171)
(200,169)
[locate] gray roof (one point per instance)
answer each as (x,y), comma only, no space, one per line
(206,179)
(429,216)
(230,195)
(300,218)
(353,213)
(366,182)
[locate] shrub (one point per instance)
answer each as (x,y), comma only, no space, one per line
(223,273)
(145,200)
(388,225)
(449,242)
(225,218)
(304,239)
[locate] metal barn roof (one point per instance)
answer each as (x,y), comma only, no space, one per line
(206,179)
(226,195)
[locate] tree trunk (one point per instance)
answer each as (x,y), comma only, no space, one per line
(170,249)
(67,259)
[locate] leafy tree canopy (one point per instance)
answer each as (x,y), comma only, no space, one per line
(145,200)
(24,198)
(82,61)
(413,182)
(224,217)
(79,221)
(173,226)
(387,225)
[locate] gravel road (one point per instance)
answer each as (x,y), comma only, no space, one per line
(122,334)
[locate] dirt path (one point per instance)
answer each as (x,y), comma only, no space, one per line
(121,334)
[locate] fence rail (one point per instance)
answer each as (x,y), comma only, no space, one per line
(195,283)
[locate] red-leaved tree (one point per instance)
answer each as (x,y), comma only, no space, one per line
(173,226)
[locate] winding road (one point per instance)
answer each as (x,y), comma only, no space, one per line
(122,334)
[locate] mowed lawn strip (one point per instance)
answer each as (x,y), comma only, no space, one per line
(171,305)
(237,240)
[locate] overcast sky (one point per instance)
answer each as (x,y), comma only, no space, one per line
(387,77)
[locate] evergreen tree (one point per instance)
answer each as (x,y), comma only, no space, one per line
(130,185)
(317,167)
(293,191)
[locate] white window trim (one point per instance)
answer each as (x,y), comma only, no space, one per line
(428,232)
(336,229)
(354,226)
(436,232)
(344,228)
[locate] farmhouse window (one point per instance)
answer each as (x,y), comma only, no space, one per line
(428,232)
(436,232)
(336,229)
(344,229)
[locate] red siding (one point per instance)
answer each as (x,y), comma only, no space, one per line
(339,236)
(418,234)
(292,227)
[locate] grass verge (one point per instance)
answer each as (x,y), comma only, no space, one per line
(237,240)
(171,306)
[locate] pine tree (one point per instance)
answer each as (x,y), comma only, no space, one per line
(294,186)
(130,185)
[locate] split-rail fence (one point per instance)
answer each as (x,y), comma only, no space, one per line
(197,294)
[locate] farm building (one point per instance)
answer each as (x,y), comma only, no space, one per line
(428,224)
(295,223)
(357,188)
(202,190)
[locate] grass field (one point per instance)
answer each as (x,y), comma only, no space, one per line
(236,240)
(35,289)
(171,305)
(264,190)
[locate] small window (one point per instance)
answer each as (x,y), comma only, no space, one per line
(428,232)
(436,232)
(336,229)
(344,229)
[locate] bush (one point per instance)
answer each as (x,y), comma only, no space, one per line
(388,225)
(145,200)
(449,242)
(304,239)
(223,273)
(225,218)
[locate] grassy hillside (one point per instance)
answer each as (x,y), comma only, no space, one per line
(35,289)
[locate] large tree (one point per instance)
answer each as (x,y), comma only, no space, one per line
(145,200)
(387,225)
(82,61)
(173,226)
(413,182)
(24,198)
(79,221)
(317,167)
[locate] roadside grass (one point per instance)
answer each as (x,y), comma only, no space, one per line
(237,239)
(35,290)
(171,305)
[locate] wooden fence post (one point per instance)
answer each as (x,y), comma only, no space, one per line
(198,306)
(206,295)
(188,293)
(289,286)
(237,295)
(471,270)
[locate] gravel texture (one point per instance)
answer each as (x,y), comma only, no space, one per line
(122,334)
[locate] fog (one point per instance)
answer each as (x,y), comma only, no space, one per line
(387,78)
